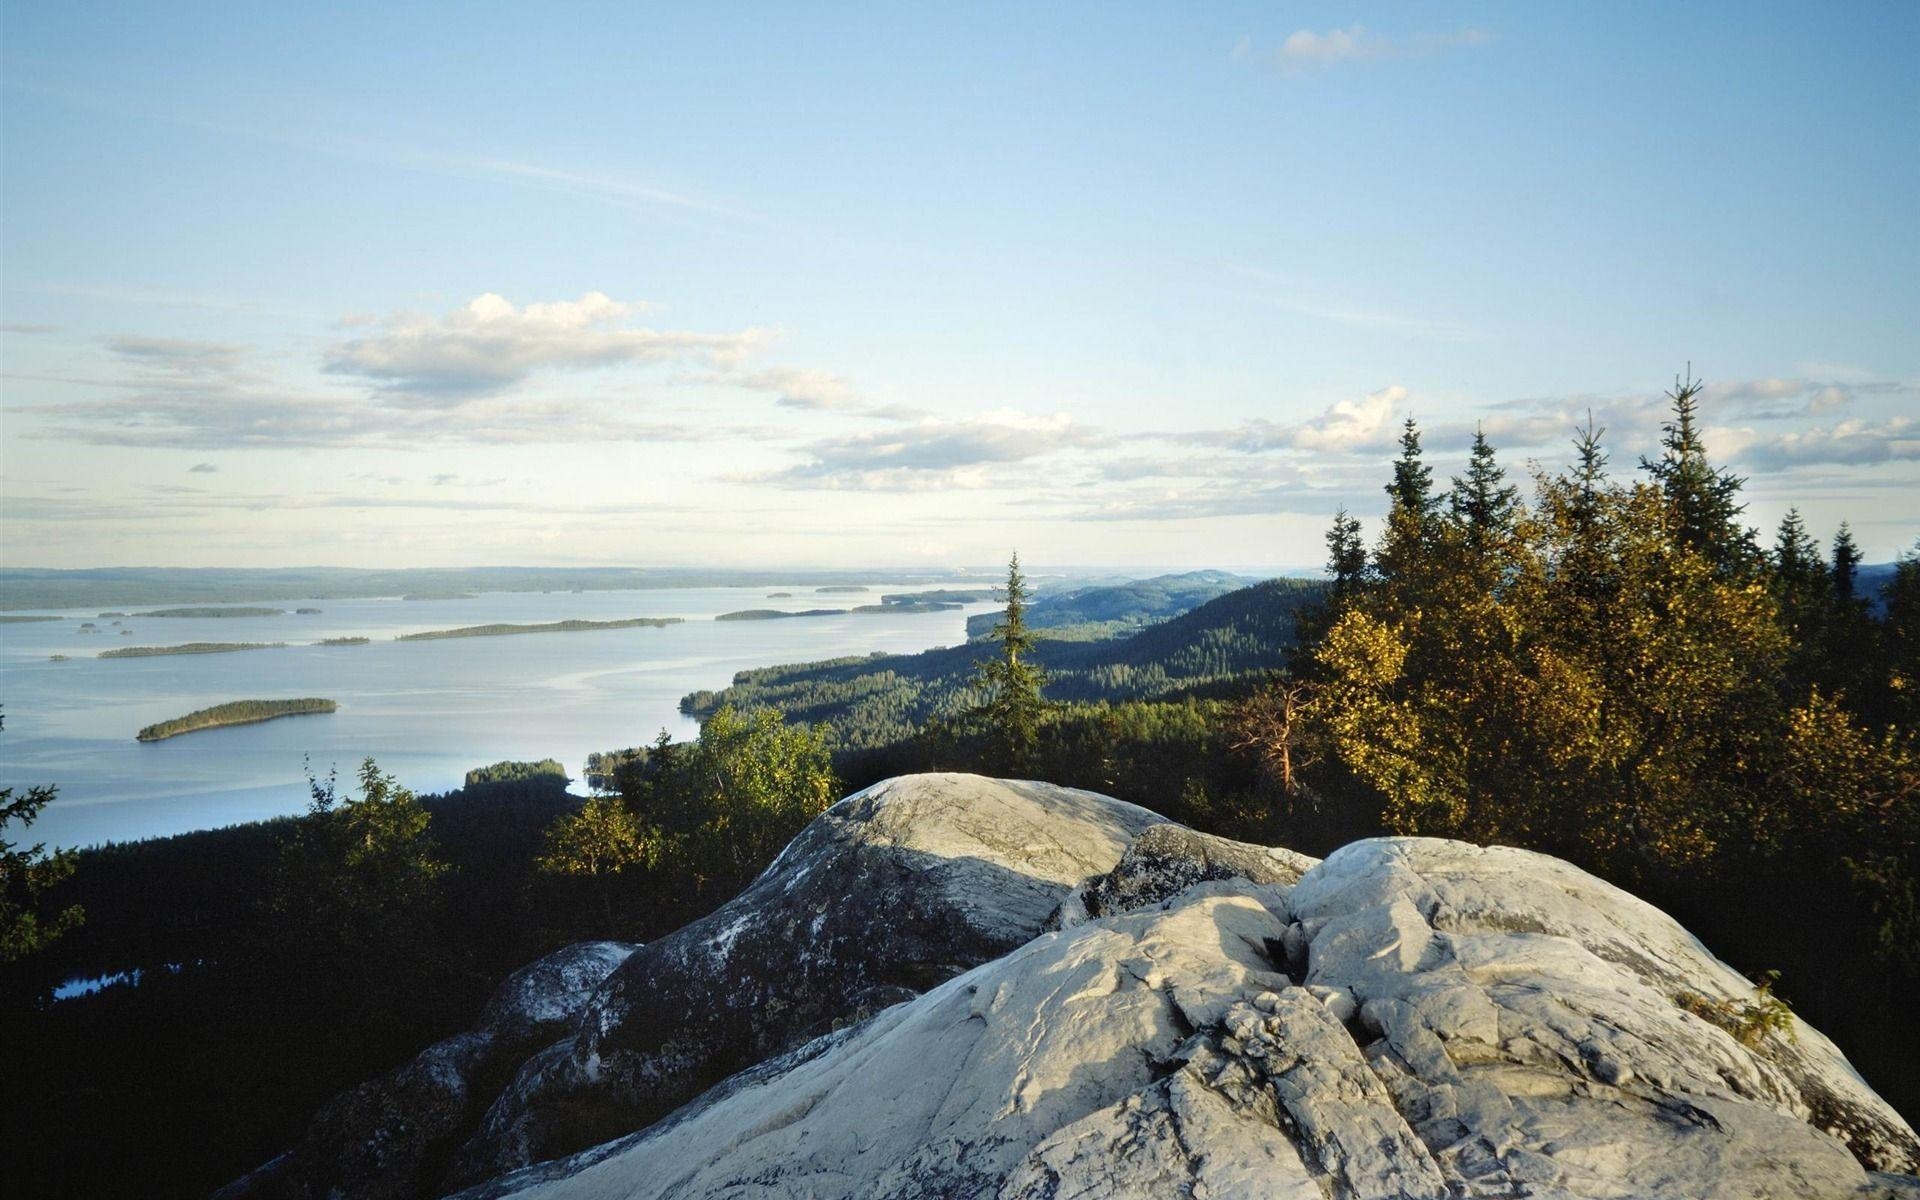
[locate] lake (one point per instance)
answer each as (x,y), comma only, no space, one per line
(428,711)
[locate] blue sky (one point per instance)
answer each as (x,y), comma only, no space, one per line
(1120,284)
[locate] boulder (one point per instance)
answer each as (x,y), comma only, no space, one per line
(1167,860)
(391,1137)
(890,892)
(1409,1018)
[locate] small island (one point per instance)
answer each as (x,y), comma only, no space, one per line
(774,614)
(188,648)
(222,611)
(551,627)
(518,772)
(439,596)
(57,658)
(343,641)
(237,712)
(306,612)
(842,588)
(770,596)
(942,596)
(22,618)
(908,606)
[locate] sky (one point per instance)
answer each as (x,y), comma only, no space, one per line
(1122,285)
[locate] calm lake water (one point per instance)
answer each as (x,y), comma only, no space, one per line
(428,711)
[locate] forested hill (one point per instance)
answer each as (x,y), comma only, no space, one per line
(873,701)
(1107,610)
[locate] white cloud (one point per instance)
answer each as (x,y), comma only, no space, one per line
(490,344)
(1347,426)
(934,454)
(1306,50)
(1848,443)
(800,387)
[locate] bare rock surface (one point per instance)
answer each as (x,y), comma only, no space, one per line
(1167,860)
(951,986)
(890,892)
(1410,1018)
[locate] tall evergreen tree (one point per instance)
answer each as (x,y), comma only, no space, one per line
(1412,486)
(1405,558)
(1013,683)
(1846,564)
(1482,504)
(1346,553)
(1703,501)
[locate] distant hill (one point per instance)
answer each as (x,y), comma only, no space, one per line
(872,701)
(1103,610)
(102,587)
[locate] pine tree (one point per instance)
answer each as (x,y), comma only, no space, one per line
(1013,683)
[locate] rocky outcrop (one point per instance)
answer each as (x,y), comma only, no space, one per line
(1411,1018)
(1167,860)
(391,1137)
(955,986)
(891,891)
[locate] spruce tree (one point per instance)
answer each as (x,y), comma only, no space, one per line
(1703,502)
(1482,504)
(1013,683)
(1405,560)
(1346,553)
(1846,564)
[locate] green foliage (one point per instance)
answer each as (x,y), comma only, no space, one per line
(1011,681)
(235,712)
(1703,502)
(357,876)
(600,841)
(1750,1022)
(24,874)
(720,808)
(516,772)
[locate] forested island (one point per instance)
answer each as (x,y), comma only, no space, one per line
(841,588)
(23,618)
(212,612)
(518,772)
(907,606)
(343,641)
(774,614)
(236,712)
(187,648)
(500,630)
